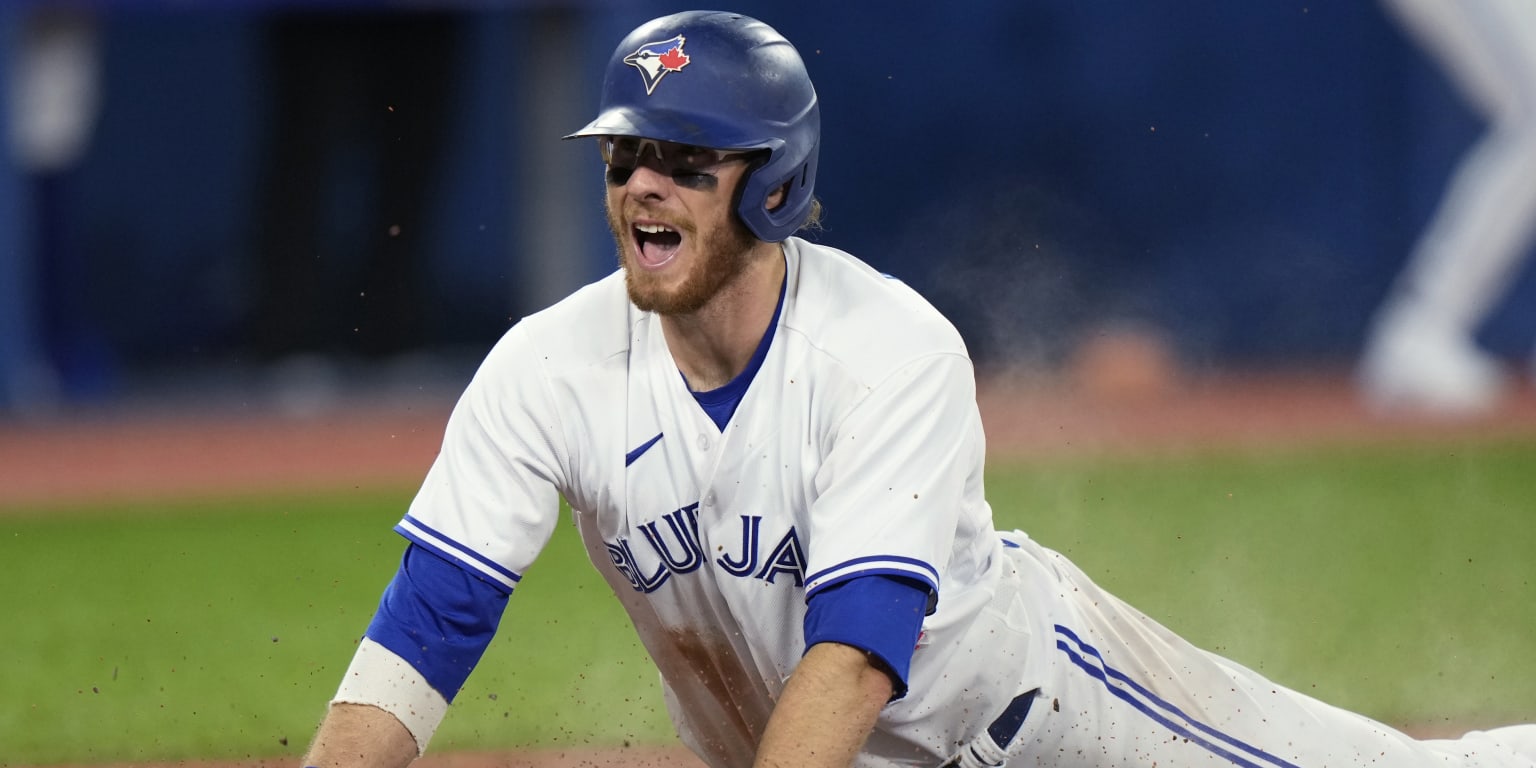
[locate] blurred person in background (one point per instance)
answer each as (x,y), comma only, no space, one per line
(49,345)
(1421,353)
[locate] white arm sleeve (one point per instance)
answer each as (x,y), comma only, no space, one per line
(382,679)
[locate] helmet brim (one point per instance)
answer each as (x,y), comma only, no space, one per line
(666,125)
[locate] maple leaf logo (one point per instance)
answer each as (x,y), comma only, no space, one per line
(655,60)
(674,59)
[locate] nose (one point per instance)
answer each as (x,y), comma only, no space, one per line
(647,182)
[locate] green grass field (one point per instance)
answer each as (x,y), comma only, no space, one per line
(1399,582)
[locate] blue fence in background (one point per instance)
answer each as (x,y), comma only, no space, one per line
(1247,176)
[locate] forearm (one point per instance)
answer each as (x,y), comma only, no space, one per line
(361,735)
(383,715)
(827,711)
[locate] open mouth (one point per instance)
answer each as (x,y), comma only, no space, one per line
(656,244)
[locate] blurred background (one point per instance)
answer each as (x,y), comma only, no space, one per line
(291,200)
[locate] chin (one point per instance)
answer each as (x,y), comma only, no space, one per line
(650,295)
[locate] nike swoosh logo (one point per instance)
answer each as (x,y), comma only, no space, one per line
(629,458)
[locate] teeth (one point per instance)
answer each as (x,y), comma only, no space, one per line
(653,229)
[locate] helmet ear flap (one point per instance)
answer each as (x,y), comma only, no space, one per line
(747,199)
(774,197)
(798,181)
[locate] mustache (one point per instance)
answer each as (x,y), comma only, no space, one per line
(637,210)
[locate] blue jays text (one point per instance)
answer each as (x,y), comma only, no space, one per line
(677,550)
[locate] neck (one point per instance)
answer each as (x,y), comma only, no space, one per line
(714,344)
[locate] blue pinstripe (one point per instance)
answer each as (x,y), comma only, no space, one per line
(1149,704)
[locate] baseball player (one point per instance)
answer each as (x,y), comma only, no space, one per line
(1421,351)
(773,454)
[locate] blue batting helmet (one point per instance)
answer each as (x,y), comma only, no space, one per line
(721,81)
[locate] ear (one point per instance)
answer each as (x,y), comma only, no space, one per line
(776,197)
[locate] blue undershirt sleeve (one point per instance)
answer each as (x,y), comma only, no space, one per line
(439,617)
(879,614)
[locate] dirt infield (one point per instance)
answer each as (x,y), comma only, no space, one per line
(168,454)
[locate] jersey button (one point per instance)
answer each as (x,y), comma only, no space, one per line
(709,499)
(703,441)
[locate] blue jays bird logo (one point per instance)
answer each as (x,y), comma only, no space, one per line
(655,60)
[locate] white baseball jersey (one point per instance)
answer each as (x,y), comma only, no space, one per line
(857,449)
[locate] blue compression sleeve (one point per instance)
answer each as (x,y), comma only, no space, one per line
(438,617)
(880,614)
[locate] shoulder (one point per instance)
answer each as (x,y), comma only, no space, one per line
(587,328)
(868,321)
(537,390)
